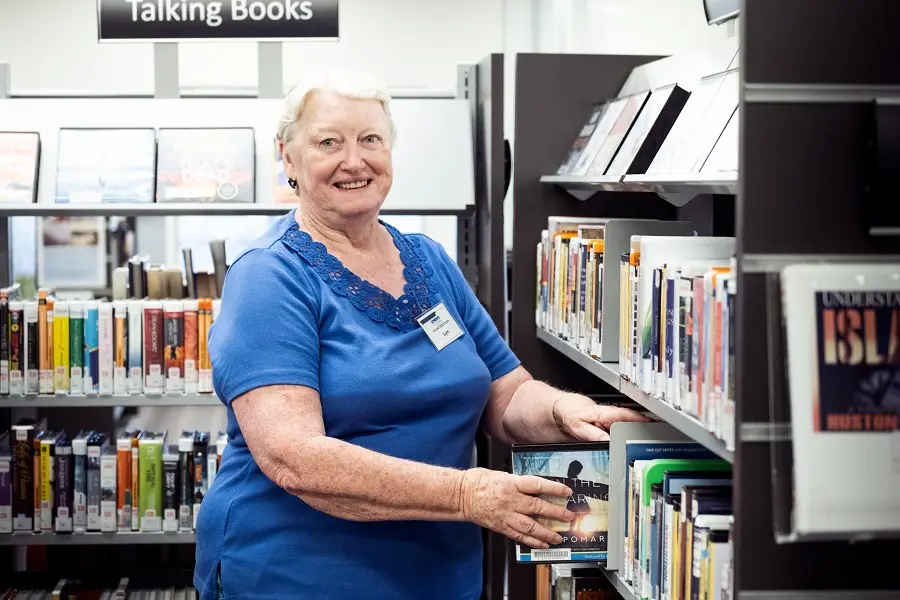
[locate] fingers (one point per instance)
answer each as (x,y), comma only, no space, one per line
(613,414)
(526,530)
(535,506)
(532,485)
(589,433)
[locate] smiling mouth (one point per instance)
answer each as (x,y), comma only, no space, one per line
(353,185)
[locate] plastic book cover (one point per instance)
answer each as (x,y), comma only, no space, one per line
(20,155)
(584,468)
(724,155)
(618,133)
(584,135)
(843,351)
(206,165)
(106,165)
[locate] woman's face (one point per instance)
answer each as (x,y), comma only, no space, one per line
(340,154)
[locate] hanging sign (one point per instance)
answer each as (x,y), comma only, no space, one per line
(216,20)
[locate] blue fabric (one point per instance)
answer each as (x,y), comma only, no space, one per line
(291,314)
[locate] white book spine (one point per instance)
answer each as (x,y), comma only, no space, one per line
(105,348)
(108,513)
(135,347)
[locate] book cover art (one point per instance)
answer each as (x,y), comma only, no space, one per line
(106,165)
(584,135)
(619,131)
(20,154)
(206,165)
(584,468)
(858,356)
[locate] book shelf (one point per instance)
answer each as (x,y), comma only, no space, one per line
(802,193)
(137,400)
(122,538)
(175,209)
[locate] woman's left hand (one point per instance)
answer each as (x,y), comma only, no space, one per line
(581,418)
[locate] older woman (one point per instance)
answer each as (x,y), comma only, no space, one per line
(356,365)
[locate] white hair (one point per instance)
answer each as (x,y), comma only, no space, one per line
(362,86)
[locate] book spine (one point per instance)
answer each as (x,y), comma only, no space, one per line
(598,307)
(211,466)
(4,345)
(171,493)
(23,480)
(32,349)
(671,339)
(79,488)
(205,368)
(36,457)
(728,411)
(108,468)
(123,477)
(48,352)
(120,349)
(191,348)
(186,485)
(151,485)
(6,494)
(635,320)
(16,349)
(93,487)
(105,348)
(76,348)
(135,347)
(48,479)
(580,332)
(135,483)
(174,347)
(154,379)
(61,384)
(697,346)
(62,522)
(45,373)
(651,351)
(91,349)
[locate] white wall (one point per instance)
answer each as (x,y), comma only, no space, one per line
(52,47)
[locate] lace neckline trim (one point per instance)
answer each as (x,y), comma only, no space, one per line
(399,313)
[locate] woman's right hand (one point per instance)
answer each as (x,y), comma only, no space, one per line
(508,503)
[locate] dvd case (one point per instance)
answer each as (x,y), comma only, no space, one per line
(584,468)
(20,157)
(206,165)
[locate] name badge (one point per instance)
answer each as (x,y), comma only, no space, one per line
(440,327)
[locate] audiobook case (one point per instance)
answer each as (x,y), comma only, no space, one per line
(584,468)
(206,165)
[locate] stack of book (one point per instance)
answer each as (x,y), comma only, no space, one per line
(53,484)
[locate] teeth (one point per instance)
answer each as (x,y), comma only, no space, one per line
(354,185)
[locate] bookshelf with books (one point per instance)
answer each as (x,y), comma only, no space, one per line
(773,385)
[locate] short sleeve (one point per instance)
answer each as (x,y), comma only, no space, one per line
(266,332)
(492,348)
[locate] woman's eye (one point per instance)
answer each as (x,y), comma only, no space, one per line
(371,139)
(329,143)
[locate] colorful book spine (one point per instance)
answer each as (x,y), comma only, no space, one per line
(123,477)
(79,481)
(48,350)
(91,349)
(4,342)
(108,468)
(22,440)
(174,347)
(48,481)
(45,349)
(36,457)
(61,383)
(135,481)
(135,347)
(120,348)
(171,492)
(201,473)
(151,506)
(186,480)
(205,365)
(32,349)
(95,448)
(191,347)
(154,333)
(105,348)
(62,522)
(76,347)
(6,493)
(16,349)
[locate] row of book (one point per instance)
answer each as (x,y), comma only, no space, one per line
(138,165)
(649,505)
(670,130)
(675,321)
(73,589)
(141,279)
(53,484)
(105,348)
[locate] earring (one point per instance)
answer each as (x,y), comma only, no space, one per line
(292,183)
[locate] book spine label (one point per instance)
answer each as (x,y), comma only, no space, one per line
(108,466)
(93,488)
(61,384)
(154,380)
(91,352)
(76,349)
(47,482)
(4,346)
(79,494)
(120,353)
(170,501)
(23,480)
(135,485)
(123,477)
(32,350)
(191,351)
(186,495)
(6,524)
(105,352)
(151,486)
(174,351)
(16,352)
(135,348)
(63,497)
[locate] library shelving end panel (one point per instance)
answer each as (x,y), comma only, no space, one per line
(805,163)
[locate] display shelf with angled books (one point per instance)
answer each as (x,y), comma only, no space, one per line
(81,401)
(724,182)
(122,538)
(608,372)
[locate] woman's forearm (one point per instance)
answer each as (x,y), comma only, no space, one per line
(528,417)
(350,482)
